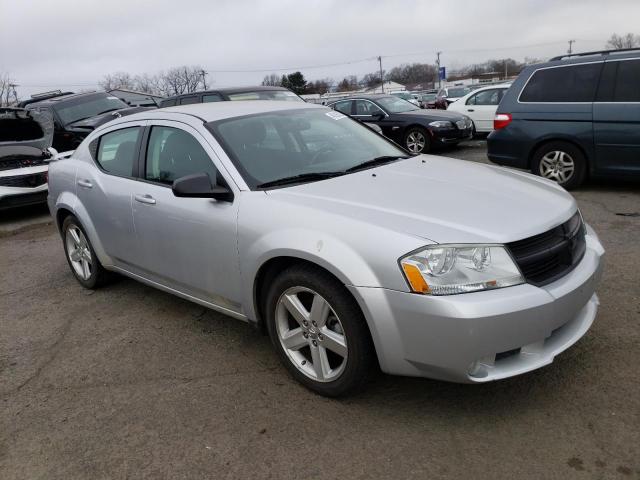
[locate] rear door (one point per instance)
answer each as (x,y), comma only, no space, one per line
(104,189)
(616,118)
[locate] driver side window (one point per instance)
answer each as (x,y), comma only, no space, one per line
(173,153)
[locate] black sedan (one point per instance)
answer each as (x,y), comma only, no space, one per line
(415,129)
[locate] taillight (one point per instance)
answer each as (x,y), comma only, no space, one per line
(501,120)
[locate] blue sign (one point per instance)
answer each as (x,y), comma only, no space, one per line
(443,73)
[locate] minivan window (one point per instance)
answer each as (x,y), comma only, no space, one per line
(189,100)
(117,151)
(211,97)
(573,83)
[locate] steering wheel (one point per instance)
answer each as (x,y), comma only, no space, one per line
(319,154)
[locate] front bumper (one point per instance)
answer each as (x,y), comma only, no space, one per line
(452,136)
(25,186)
(483,336)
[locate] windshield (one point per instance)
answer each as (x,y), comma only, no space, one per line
(85,108)
(458,92)
(285,95)
(396,105)
(275,145)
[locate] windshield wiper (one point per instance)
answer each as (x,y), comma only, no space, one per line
(303,177)
(375,162)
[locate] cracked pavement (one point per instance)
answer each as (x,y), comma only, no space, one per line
(131,382)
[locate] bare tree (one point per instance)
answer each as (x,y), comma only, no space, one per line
(8,94)
(272,80)
(617,42)
(117,80)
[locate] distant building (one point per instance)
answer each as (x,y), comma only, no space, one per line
(389,87)
(136,99)
(478,79)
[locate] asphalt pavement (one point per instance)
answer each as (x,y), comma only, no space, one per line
(130,382)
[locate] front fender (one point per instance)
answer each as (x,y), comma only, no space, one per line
(318,247)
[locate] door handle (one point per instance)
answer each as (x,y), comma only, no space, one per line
(85,183)
(148,199)
(470,110)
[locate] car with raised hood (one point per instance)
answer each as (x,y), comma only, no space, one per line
(348,251)
(75,115)
(571,118)
(232,94)
(414,128)
(25,141)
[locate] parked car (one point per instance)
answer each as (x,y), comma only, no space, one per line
(406,124)
(25,138)
(77,114)
(427,100)
(409,97)
(448,95)
(295,218)
(572,117)
(480,105)
(226,94)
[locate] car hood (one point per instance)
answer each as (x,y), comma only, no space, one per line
(441,200)
(94,122)
(432,115)
(25,128)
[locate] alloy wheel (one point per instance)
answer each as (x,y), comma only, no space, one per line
(311,334)
(557,165)
(416,141)
(79,252)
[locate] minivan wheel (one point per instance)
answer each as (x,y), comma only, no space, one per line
(417,140)
(81,257)
(561,162)
(319,331)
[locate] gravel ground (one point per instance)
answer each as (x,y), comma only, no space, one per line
(130,382)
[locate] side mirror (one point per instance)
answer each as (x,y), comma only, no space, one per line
(377,116)
(199,186)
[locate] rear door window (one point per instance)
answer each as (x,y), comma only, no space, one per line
(344,107)
(189,100)
(566,84)
(117,151)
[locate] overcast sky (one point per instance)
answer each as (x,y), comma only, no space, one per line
(71,44)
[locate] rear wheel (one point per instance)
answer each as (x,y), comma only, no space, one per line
(81,257)
(319,331)
(561,162)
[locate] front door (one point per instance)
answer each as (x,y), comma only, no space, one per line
(616,118)
(188,244)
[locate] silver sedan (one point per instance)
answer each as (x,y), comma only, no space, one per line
(348,251)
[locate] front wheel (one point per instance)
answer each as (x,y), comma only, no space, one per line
(561,162)
(417,140)
(319,331)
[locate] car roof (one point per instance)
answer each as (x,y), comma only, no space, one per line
(62,98)
(229,90)
(210,112)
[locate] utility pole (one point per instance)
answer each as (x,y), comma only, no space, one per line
(505,70)
(571,42)
(204,79)
(438,63)
(381,76)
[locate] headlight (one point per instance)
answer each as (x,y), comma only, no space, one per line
(441,124)
(451,269)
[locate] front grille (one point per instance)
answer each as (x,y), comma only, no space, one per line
(19,161)
(550,255)
(24,181)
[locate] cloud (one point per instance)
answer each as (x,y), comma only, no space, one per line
(71,43)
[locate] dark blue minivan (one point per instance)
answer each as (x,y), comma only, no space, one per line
(572,117)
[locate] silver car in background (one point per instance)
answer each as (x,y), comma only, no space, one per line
(347,250)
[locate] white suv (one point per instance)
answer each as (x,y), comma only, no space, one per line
(25,141)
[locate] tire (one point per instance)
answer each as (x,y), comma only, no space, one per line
(413,144)
(561,162)
(81,257)
(315,296)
